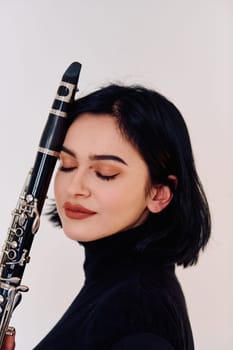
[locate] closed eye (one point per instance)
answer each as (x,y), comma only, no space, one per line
(66,169)
(106,177)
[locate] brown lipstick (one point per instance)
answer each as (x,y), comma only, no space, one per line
(77,211)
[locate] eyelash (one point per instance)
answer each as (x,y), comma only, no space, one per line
(66,169)
(98,174)
(105,177)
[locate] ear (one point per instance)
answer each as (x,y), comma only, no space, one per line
(160,196)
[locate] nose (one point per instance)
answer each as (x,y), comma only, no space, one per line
(78,185)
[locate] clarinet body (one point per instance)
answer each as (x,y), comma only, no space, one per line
(26,216)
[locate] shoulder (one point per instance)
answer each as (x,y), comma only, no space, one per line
(142,341)
(148,305)
(157,285)
(146,299)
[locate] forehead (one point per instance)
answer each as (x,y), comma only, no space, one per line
(98,134)
(95,124)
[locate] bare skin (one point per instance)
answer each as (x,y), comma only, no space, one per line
(100,171)
(9,342)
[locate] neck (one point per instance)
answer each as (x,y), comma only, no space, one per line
(104,255)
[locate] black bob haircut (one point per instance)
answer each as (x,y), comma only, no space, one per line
(157,129)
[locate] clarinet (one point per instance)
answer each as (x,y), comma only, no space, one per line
(26,216)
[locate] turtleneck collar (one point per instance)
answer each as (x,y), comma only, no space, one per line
(108,254)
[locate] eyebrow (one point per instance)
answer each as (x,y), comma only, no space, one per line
(96,156)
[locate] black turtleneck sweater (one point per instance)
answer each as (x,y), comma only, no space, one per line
(129,301)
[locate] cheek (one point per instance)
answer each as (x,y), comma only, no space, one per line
(58,187)
(124,197)
(56,182)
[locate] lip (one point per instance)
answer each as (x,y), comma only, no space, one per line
(77,211)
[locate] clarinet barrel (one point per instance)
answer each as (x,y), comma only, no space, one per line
(26,215)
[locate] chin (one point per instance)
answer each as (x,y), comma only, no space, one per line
(77,236)
(81,235)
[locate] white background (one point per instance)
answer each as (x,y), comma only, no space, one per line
(182,48)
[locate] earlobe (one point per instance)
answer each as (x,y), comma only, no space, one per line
(159,198)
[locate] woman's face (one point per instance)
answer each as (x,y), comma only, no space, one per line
(102,184)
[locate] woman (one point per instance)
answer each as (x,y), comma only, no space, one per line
(127,190)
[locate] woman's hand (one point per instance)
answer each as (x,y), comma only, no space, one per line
(9,340)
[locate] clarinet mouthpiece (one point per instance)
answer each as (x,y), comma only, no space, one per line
(71,75)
